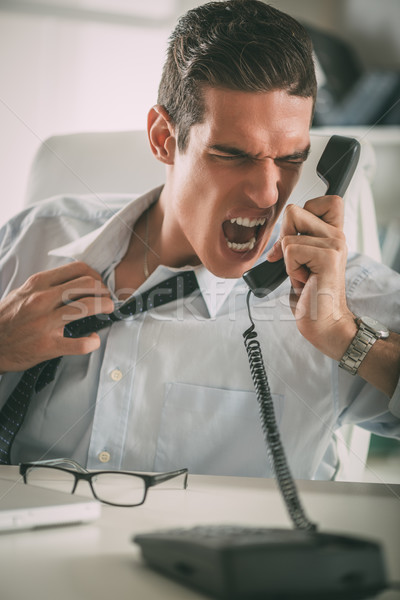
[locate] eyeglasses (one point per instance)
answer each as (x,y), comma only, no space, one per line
(117,488)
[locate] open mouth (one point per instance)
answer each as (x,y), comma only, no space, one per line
(241,233)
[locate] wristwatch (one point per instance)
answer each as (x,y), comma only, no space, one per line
(369,330)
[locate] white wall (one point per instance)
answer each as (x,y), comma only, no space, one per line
(60,74)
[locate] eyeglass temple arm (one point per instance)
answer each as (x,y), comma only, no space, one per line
(161,477)
(53,462)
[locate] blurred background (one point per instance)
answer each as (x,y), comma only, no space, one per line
(94,65)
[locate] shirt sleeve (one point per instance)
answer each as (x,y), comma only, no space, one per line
(372,289)
(394,404)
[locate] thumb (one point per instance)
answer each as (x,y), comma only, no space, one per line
(275,253)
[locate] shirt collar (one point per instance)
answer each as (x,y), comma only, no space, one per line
(108,244)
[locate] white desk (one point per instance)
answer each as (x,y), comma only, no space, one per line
(99,562)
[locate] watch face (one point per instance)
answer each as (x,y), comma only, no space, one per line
(376,327)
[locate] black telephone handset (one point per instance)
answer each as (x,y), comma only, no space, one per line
(336,168)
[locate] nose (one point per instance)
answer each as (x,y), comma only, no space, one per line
(263,183)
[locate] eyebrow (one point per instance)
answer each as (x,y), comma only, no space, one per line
(299,155)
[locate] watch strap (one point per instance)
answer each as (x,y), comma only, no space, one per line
(358,350)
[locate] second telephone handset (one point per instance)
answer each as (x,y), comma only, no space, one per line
(336,168)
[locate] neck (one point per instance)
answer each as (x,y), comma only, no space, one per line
(170,242)
(156,240)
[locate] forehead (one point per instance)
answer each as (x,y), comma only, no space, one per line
(271,122)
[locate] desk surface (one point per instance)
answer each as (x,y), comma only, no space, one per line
(98,561)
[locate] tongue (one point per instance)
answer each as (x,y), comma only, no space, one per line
(237,233)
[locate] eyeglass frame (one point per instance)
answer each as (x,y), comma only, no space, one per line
(80,473)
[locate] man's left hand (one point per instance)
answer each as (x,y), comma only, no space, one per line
(314,248)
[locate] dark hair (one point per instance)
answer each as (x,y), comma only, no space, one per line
(236,44)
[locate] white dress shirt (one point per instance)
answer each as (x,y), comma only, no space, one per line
(172,387)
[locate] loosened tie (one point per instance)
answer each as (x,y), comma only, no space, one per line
(36,378)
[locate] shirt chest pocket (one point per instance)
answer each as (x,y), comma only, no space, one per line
(212,431)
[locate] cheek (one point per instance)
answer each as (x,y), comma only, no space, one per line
(201,195)
(287,185)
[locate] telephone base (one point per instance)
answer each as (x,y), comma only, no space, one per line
(245,563)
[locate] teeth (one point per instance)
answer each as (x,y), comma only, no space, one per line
(247,246)
(246,222)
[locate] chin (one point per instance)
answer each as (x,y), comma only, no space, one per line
(228,271)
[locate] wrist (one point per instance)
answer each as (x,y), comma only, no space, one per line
(341,336)
(332,339)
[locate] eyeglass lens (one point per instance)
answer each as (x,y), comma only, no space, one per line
(55,479)
(125,490)
(117,488)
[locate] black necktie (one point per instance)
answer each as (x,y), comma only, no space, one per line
(36,378)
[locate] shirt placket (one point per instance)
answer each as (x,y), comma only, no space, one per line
(114,396)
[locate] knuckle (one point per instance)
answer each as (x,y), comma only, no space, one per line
(32,283)
(339,242)
(334,255)
(336,203)
(37,302)
(291,208)
(308,204)
(285,241)
(341,237)
(290,251)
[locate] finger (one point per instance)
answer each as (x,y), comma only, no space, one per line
(328,208)
(337,243)
(290,235)
(275,252)
(82,287)
(79,346)
(43,301)
(298,220)
(63,274)
(84,307)
(301,260)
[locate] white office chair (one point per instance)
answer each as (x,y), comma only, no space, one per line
(121,162)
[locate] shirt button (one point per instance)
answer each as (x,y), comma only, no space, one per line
(116,375)
(104,457)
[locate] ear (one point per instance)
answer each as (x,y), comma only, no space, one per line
(161,134)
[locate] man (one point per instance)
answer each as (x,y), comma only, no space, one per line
(172,386)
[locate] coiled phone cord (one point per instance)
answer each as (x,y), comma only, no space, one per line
(276,452)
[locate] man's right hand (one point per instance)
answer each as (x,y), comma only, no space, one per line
(33,316)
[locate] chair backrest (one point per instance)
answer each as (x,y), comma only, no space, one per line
(121,162)
(98,162)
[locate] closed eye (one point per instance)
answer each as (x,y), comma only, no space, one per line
(228,153)
(294,159)
(230,156)
(289,163)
